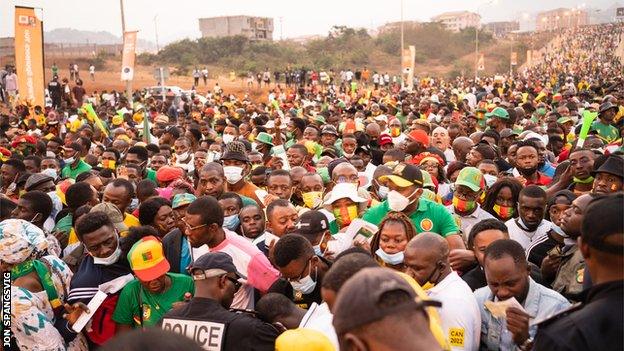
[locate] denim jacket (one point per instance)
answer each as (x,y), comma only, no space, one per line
(540,303)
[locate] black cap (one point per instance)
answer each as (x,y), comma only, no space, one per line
(235,150)
(360,300)
(613,165)
(603,218)
(215,264)
(606,106)
(311,222)
(329,129)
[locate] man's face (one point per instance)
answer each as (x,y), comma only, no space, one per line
(345,173)
(181,146)
(48,163)
(473,157)
(295,157)
(230,130)
(101,243)
(311,134)
(155,286)
(229,206)
(605,183)
(311,183)
(212,182)
(133,159)
(157,162)
(487,168)
(573,216)
(31,166)
(282,220)
(531,210)
(118,196)
(328,139)
(199,159)
(421,264)
(134,175)
(24,211)
(280,186)
(53,146)
(582,163)
(483,240)
(252,221)
(8,174)
(506,278)
(349,145)
(512,154)
(527,158)
(298,268)
(440,139)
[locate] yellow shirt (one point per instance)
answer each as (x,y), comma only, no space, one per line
(129,221)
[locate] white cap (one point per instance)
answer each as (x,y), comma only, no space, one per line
(344,190)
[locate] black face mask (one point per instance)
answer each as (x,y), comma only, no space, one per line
(527,171)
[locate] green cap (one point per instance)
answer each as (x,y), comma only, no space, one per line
(264,138)
(427,181)
(498,112)
(182,199)
(541,111)
(472,178)
(324,173)
(563,120)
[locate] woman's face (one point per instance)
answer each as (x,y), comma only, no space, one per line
(557,210)
(431,167)
(505,197)
(393,238)
(164,220)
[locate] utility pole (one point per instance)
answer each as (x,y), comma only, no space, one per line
(281,28)
(402,47)
(123,33)
(156,32)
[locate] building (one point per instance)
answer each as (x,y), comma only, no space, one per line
(254,28)
(501,29)
(561,18)
(458,20)
(392,26)
(7,46)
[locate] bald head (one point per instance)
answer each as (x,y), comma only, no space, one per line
(432,242)
(461,147)
(213,166)
(373,129)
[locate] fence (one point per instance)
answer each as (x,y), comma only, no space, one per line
(70,50)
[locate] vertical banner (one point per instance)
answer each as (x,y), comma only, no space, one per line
(127,60)
(529,58)
(481,63)
(29,56)
(407,65)
(514,58)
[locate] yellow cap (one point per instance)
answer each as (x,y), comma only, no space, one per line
(302,339)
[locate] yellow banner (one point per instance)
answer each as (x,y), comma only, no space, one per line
(127,60)
(29,56)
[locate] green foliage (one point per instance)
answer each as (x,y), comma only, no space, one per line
(343,47)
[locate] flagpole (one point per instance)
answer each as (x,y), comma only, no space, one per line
(123,34)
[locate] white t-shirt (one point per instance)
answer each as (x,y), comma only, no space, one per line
(459,315)
(525,237)
(319,318)
(466,223)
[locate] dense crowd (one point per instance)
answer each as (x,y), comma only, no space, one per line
(460,215)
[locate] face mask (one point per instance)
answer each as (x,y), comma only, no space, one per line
(428,284)
(290,135)
(306,284)
(110,164)
(183,156)
(110,259)
(504,212)
(312,199)
(69,161)
(348,155)
(317,248)
(527,171)
(254,146)
(393,259)
(489,180)
(233,174)
(383,192)
(397,202)
(231,222)
(228,138)
(217,156)
(463,205)
(50,172)
(344,215)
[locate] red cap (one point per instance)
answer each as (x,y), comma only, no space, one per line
(385,139)
(419,136)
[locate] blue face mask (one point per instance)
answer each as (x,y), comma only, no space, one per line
(392,259)
(231,222)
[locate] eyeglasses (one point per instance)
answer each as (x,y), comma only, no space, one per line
(189,228)
(301,275)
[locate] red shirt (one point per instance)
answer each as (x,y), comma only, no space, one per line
(542,180)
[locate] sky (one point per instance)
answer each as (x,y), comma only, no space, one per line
(292,18)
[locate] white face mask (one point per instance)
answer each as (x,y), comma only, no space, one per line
(228,138)
(69,161)
(50,172)
(396,201)
(233,174)
(348,155)
(183,156)
(383,192)
(107,261)
(306,284)
(393,259)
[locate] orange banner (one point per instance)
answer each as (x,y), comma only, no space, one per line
(127,60)
(29,56)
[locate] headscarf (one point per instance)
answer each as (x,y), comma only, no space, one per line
(20,240)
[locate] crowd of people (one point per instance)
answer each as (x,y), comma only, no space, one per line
(461,215)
